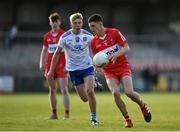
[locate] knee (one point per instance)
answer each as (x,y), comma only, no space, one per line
(52,90)
(90,93)
(84,99)
(64,91)
(116,94)
(129,93)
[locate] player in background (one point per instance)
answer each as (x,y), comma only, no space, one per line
(113,43)
(75,42)
(50,43)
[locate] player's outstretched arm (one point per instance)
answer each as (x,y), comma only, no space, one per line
(43,58)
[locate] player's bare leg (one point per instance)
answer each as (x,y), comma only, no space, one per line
(113,85)
(52,98)
(86,94)
(128,88)
(65,92)
(80,89)
(89,87)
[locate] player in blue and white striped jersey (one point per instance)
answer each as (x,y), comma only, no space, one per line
(75,43)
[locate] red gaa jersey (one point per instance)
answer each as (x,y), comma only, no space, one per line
(111,43)
(51,41)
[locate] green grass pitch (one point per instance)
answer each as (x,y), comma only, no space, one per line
(29,112)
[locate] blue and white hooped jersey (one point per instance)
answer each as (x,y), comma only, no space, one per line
(76,49)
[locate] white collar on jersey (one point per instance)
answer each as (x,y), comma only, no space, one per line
(103,36)
(75,34)
(54,34)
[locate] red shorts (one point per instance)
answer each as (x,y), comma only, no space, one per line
(59,72)
(118,73)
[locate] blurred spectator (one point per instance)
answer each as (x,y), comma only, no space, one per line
(10,37)
(147,77)
(162,83)
(155,76)
(175,85)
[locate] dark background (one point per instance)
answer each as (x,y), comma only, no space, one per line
(152,28)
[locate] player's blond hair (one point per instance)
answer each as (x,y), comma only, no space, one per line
(75,16)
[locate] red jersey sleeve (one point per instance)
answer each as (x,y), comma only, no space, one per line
(120,38)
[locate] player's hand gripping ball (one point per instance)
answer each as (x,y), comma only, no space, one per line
(100,59)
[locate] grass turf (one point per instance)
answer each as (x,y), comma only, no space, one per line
(29,112)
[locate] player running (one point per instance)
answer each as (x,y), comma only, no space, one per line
(113,43)
(50,43)
(78,61)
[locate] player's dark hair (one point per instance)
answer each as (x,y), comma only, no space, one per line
(54,17)
(95,18)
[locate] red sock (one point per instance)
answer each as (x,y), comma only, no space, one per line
(142,104)
(126,116)
(67,112)
(54,111)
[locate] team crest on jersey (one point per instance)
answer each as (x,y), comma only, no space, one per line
(84,38)
(77,39)
(49,40)
(105,43)
(111,40)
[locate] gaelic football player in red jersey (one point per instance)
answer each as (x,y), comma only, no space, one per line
(113,43)
(50,43)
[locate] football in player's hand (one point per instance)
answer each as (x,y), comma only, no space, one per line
(100,59)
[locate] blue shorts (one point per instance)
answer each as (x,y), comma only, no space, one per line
(77,77)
